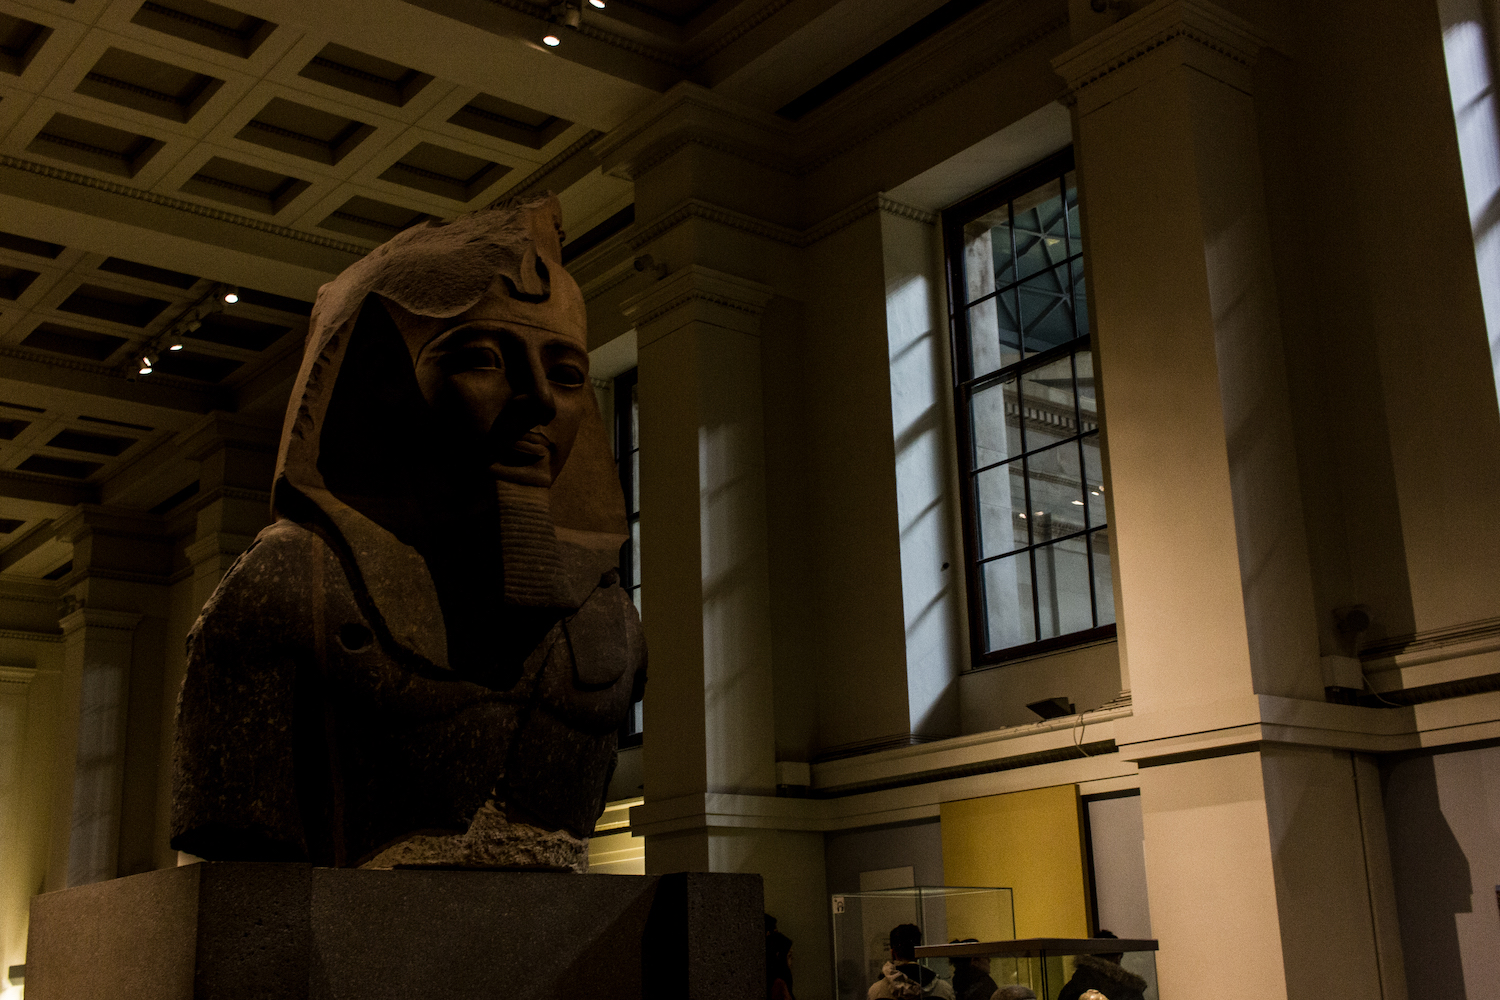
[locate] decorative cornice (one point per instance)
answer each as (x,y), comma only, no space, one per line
(696,283)
(1216,30)
(15,680)
(1484,634)
(741,28)
(121,621)
(531,180)
(151,197)
(693,208)
(25,636)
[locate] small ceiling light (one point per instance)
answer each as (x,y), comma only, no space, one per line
(1077,503)
(175,345)
(148,362)
(597,3)
(550,40)
(1023,517)
(232,296)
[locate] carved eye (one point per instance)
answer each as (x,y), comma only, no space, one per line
(565,374)
(473,358)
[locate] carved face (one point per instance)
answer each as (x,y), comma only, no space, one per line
(520,390)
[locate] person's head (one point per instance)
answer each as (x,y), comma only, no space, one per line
(904,941)
(1117,956)
(778,959)
(979,962)
(1013,991)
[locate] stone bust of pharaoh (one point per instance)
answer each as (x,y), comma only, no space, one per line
(424,660)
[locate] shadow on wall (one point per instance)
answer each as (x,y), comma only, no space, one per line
(1434,883)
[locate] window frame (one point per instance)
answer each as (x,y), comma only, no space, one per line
(954,219)
(622,395)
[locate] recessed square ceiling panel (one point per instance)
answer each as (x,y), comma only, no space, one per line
(10,427)
(157,88)
(69,468)
(25,244)
(9,524)
(205,23)
(444,172)
(14,281)
(365,75)
(199,367)
(148,272)
(20,41)
(372,220)
(503,119)
(113,305)
(289,127)
(90,144)
(238,331)
(244,186)
(94,444)
(270,300)
(69,340)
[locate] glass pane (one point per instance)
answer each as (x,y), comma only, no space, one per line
(1007,602)
(634,500)
(1075,223)
(1083,365)
(1080,298)
(635,555)
(1047,401)
(1041,232)
(994,337)
(1104,588)
(987,254)
(1001,501)
(996,423)
(1056,492)
(1093,479)
(1062,586)
(1046,310)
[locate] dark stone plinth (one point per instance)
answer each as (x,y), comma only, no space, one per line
(236,930)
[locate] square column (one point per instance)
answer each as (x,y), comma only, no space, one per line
(1262,864)
(703,480)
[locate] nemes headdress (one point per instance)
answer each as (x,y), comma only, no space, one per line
(435,272)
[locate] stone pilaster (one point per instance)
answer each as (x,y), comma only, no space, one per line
(1253,835)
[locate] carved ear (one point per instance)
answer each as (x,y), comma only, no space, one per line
(535,279)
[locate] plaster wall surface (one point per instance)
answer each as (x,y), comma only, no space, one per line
(1443,813)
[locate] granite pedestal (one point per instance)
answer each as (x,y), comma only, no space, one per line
(229,931)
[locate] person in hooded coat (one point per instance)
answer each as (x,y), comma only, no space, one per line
(1104,974)
(424,660)
(902,977)
(971,976)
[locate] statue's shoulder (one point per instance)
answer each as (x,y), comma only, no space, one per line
(277,574)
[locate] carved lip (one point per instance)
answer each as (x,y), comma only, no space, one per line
(529,447)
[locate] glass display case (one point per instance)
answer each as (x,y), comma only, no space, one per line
(1046,964)
(862,923)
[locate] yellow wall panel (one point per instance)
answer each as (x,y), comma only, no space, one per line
(1030,842)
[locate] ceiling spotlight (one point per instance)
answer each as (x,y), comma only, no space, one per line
(231,296)
(175,345)
(551,40)
(1077,503)
(194,325)
(148,362)
(597,3)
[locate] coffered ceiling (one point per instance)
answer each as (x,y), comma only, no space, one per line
(155,154)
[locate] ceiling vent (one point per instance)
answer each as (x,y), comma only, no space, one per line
(14,281)
(98,147)
(372,220)
(516,123)
(365,75)
(207,24)
(142,84)
(244,186)
(444,172)
(20,41)
(289,127)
